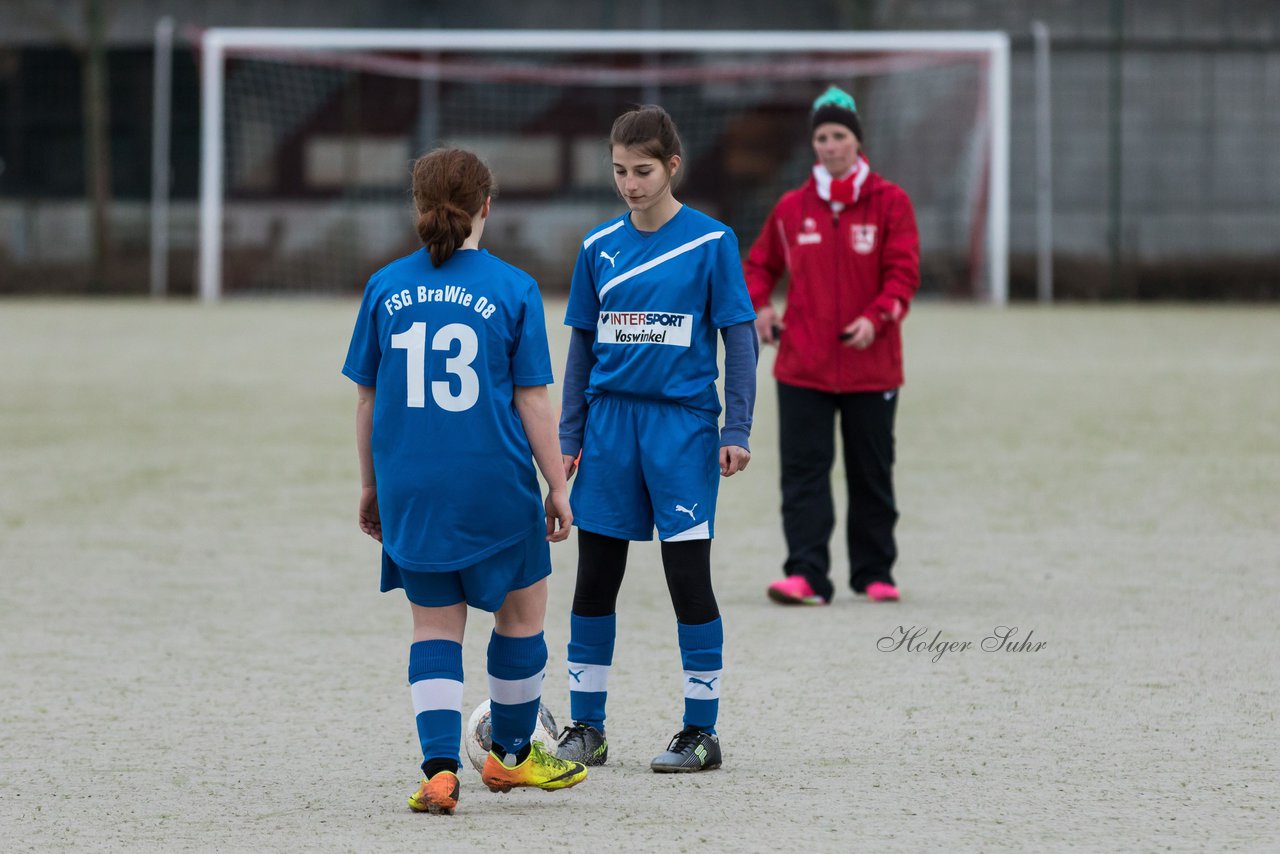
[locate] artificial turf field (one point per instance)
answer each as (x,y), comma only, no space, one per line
(194,654)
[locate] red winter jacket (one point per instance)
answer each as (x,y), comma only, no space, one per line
(864,261)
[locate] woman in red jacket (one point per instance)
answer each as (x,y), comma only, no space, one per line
(848,239)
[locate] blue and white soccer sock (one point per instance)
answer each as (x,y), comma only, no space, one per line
(516,668)
(701,654)
(435,680)
(590,657)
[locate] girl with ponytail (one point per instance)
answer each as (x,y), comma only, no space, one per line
(450,359)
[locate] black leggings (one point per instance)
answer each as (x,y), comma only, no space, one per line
(602,561)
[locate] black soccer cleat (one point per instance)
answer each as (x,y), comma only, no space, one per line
(691,749)
(583,743)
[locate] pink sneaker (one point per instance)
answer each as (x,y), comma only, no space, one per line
(794,590)
(880,591)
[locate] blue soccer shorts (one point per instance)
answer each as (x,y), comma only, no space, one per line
(647,463)
(482,585)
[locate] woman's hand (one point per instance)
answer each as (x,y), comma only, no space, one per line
(767,325)
(859,334)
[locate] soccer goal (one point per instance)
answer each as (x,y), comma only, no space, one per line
(307,137)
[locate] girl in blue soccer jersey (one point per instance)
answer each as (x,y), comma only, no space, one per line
(450,357)
(650,291)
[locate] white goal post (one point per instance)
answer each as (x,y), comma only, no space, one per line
(990,48)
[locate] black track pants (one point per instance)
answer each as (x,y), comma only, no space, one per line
(807,427)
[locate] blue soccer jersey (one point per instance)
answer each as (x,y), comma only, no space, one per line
(445,348)
(655,302)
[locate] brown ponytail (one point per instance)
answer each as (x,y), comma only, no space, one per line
(449,188)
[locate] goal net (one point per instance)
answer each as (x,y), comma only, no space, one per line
(308,136)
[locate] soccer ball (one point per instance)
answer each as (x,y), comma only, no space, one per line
(479,734)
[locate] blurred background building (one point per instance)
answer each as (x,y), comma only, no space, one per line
(1165,130)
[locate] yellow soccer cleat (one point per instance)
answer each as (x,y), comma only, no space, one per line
(438,796)
(540,770)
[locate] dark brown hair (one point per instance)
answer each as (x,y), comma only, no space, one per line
(648,130)
(449,188)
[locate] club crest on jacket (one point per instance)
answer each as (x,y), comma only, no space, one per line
(864,238)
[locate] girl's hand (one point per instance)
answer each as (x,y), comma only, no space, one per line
(570,464)
(733,459)
(370,519)
(558,514)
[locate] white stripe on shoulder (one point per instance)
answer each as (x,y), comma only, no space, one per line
(661,259)
(586,244)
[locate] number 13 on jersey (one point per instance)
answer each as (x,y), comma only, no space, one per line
(414,341)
